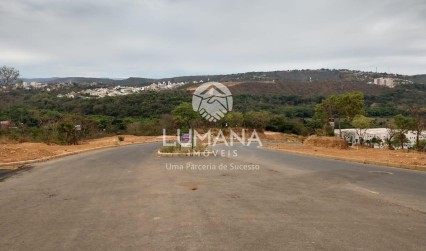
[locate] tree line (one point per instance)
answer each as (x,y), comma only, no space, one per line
(41,116)
(349,109)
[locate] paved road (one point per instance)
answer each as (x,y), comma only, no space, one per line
(129,199)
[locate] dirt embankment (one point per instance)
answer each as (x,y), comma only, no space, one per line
(281,137)
(335,148)
(13,152)
(327,142)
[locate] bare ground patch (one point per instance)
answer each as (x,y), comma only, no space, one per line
(14,152)
(396,158)
(331,147)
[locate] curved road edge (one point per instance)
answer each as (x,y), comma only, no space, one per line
(26,162)
(369,162)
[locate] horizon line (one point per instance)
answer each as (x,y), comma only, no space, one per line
(205,75)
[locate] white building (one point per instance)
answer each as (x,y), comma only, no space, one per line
(388,82)
(122,90)
(351,135)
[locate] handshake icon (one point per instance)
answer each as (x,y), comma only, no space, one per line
(212,100)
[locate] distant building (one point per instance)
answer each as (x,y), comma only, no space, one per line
(351,136)
(120,90)
(388,82)
(6,123)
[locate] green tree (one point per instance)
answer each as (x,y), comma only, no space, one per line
(345,106)
(234,119)
(257,120)
(327,108)
(314,124)
(391,134)
(421,145)
(361,124)
(67,133)
(419,123)
(375,141)
(403,125)
(279,123)
(185,114)
(399,137)
(351,104)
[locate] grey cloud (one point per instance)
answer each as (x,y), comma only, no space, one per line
(173,37)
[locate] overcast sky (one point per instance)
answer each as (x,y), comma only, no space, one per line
(164,38)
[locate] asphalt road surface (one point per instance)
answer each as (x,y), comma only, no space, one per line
(128,198)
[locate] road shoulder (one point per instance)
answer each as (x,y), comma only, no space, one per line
(383,157)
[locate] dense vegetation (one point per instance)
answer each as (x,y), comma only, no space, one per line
(291,106)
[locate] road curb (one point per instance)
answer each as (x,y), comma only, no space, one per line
(367,162)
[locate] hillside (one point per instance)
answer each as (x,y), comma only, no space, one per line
(418,78)
(79,80)
(293,75)
(287,98)
(273,91)
(299,88)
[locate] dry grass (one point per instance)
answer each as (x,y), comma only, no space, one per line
(5,140)
(396,158)
(327,142)
(281,137)
(12,152)
(335,148)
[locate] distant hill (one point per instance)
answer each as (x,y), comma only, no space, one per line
(298,88)
(294,81)
(307,83)
(421,79)
(128,81)
(39,80)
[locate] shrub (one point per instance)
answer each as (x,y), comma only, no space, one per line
(169,149)
(421,146)
(67,133)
